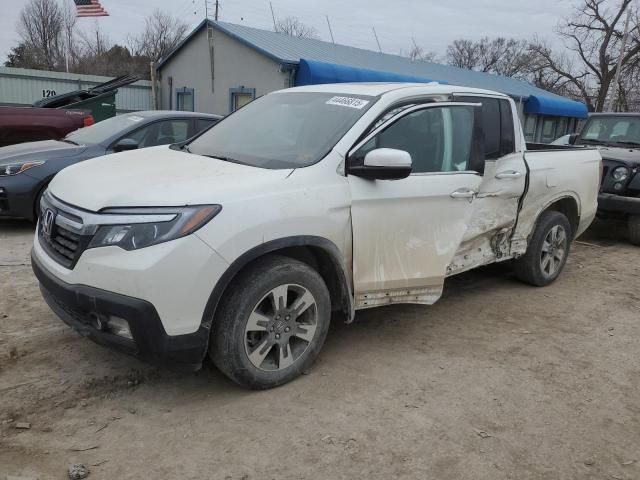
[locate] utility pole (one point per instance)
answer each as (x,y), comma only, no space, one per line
(217,8)
(330,32)
(377,41)
(616,80)
(273,16)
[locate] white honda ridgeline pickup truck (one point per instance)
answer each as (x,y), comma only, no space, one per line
(310,201)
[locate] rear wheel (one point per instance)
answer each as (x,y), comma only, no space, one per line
(633,225)
(547,251)
(271,324)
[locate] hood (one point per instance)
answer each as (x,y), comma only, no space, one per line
(45,150)
(628,156)
(157,177)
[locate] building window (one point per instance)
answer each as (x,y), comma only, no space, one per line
(530,128)
(185,99)
(561,129)
(239,97)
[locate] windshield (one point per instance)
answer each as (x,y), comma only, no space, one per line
(613,130)
(283,130)
(104,130)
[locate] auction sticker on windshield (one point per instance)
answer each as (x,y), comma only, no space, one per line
(348,102)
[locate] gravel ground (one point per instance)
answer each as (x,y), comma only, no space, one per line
(498,380)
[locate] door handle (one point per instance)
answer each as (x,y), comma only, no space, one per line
(464,193)
(508,174)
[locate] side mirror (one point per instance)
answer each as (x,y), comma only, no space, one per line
(572,138)
(125,145)
(384,164)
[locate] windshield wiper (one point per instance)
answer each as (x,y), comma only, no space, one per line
(226,159)
(592,141)
(66,140)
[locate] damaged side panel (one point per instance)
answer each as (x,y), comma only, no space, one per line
(405,234)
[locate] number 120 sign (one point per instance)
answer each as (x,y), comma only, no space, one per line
(48,93)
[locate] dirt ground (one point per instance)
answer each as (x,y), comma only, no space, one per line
(498,380)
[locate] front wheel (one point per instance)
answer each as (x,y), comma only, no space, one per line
(547,251)
(271,323)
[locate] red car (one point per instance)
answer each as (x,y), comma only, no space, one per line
(29,124)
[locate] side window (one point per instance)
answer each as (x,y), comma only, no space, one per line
(491,127)
(497,125)
(162,133)
(203,124)
(507,134)
(438,139)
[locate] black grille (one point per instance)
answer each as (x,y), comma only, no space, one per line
(605,172)
(4,202)
(62,244)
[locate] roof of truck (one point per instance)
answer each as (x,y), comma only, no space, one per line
(376,89)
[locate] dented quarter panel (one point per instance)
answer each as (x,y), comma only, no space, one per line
(554,175)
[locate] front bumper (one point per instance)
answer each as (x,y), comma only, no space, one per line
(17,196)
(79,306)
(611,203)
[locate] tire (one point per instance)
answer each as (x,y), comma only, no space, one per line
(633,225)
(547,253)
(261,343)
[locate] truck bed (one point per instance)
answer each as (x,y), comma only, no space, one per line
(29,124)
(560,173)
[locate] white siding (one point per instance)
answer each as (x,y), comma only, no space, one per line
(235,65)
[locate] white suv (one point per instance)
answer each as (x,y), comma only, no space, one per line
(306,204)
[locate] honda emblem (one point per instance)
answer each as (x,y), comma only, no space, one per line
(47,222)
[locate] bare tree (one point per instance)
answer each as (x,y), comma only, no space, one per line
(293,27)
(463,54)
(417,53)
(594,35)
(162,33)
(502,56)
(41,27)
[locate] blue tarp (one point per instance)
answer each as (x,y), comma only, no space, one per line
(312,72)
(555,106)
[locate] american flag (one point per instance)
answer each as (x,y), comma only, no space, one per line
(90,8)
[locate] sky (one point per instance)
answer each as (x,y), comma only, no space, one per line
(432,23)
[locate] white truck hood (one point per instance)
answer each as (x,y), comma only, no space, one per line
(156,177)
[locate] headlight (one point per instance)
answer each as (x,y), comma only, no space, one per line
(16,168)
(620,174)
(139,235)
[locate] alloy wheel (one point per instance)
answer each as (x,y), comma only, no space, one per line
(554,248)
(281,327)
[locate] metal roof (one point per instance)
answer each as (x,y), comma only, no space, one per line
(290,50)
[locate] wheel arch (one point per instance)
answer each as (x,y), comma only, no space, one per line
(569,206)
(320,253)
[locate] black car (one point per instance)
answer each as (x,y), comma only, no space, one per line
(27,168)
(617,136)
